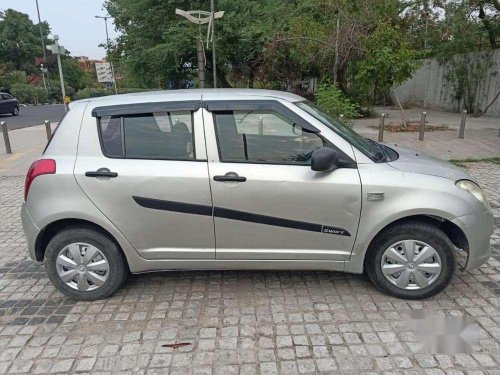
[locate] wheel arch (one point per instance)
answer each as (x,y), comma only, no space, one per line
(452,231)
(50,230)
(362,247)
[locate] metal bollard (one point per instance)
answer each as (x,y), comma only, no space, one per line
(381,128)
(6,139)
(48,129)
(461,133)
(422,126)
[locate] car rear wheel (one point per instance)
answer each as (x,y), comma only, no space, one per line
(85,264)
(15,111)
(411,260)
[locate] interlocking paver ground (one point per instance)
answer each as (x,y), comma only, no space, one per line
(235,322)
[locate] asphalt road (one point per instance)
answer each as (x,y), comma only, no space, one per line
(36,115)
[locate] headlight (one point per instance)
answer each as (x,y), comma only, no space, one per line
(474,189)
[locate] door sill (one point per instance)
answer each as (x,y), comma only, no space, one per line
(217,264)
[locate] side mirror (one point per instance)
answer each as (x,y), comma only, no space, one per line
(324,159)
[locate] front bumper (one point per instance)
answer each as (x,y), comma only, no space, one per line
(31,231)
(478,229)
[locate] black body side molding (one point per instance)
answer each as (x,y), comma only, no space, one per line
(225,213)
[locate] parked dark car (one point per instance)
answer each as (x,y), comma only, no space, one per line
(8,104)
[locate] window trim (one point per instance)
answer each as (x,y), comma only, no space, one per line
(259,105)
(262,105)
(145,108)
(122,130)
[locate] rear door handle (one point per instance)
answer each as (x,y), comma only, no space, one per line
(230,176)
(101,173)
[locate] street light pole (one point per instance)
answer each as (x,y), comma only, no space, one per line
(61,78)
(47,88)
(105,18)
(200,17)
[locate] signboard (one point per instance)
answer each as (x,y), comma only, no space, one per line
(104,73)
(53,49)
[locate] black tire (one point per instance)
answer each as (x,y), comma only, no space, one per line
(15,111)
(419,231)
(118,268)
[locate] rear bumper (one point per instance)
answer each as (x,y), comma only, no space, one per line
(31,231)
(478,229)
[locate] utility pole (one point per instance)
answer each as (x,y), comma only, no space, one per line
(105,18)
(57,50)
(47,87)
(336,62)
(214,62)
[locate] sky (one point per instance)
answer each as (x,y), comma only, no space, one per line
(73,20)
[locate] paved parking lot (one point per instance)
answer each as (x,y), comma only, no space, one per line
(234,322)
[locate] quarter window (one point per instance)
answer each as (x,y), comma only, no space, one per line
(160,135)
(263,137)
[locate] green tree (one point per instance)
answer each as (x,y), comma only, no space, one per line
(388,61)
(156,46)
(20,41)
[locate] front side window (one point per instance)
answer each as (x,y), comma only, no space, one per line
(161,135)
(370,148)
(263,136)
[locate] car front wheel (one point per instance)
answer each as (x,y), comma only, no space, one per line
(412,260)
(15,111)
(85,264)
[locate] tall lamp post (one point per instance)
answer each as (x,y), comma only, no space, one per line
(200,17)
(43,70)
(105,18)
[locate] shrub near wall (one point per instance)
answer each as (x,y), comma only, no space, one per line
(335,103)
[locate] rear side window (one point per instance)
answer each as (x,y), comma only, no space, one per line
(159,135)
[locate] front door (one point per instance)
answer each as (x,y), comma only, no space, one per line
(268,203)
(144,166)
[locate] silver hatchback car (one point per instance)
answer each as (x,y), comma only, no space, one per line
(242,179)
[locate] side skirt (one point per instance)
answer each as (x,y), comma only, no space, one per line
(243,265)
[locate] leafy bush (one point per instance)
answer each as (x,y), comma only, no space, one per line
(335,103)
(14,77)
(29,94)
(91,92)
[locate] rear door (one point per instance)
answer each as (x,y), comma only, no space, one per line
(268,203)
(144,166)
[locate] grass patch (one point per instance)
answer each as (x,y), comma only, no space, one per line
(460,162)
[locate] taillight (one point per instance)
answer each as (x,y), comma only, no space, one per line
(38,168)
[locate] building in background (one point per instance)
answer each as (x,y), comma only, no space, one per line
(87,64)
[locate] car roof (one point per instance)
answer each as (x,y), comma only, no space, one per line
(191,94)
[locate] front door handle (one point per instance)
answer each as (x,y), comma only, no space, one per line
(230,176)
(102,172)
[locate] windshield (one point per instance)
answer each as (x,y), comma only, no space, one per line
(368,147)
